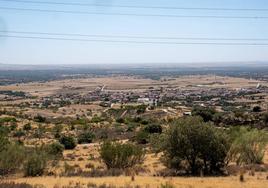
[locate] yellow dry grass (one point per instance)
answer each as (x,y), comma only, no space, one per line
(120,83)
(257,181)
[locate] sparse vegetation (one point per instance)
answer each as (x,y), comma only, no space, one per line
(141,134)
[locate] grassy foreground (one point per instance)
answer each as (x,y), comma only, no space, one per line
(257,181)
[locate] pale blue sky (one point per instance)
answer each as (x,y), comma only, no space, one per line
(29,51)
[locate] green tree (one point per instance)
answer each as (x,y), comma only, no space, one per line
(200,145)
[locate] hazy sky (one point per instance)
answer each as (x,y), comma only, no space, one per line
(30,51)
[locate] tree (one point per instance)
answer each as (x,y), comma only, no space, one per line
(197,145)
(121,156)
(68,142)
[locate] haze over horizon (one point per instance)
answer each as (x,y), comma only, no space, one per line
(140,46)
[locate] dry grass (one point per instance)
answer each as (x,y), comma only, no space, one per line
(127,83)
(258,181)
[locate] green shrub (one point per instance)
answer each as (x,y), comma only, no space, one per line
(35,164)
(57,130)
(85,137)
(11,158)
(8,119)
(153,128)
(141,109)
(27,127)
(39,119)
(19,133)
(256,109)
(248,145)
(4,142)
(68,142)
(265,118)
(96,119)
(121,156)
(142,137)
(13,125)
(55,149)
(206,113)
(120,120)
(4,131)
(39,132)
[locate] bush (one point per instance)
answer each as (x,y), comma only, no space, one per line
(19,133)
(206,113)
(256,109)
(4,131)
(85,137)
(120,156)
(39,132)
(27,127)
(196,145)
(120,120)
(68,142)
(7,119)
(248,145)
(57,130)
(55,149)
(265,118)
(4,142)
(11,158)
(141,109)
(39,119)
(153,128)
(35,164)
(142,137)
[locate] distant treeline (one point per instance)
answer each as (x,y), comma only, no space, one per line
(23,76)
